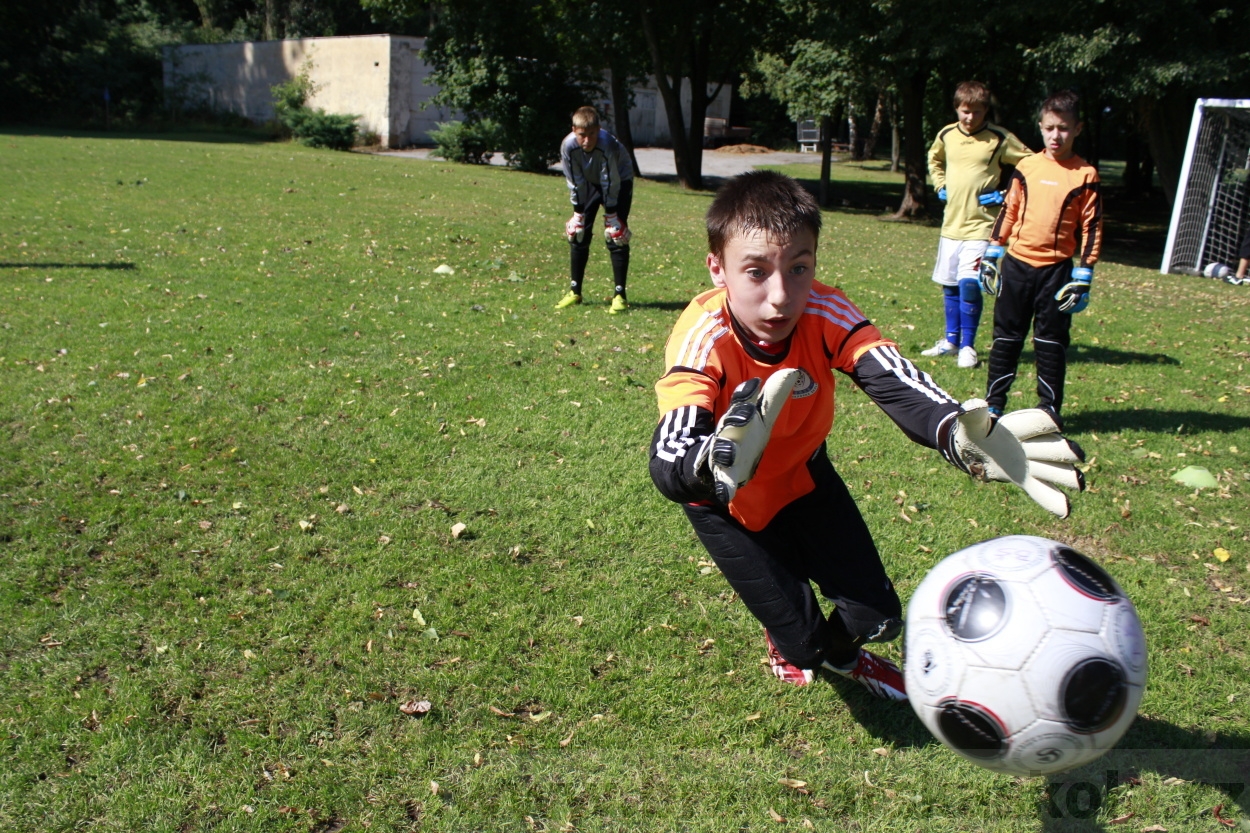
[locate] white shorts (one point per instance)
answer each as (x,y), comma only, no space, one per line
(958,259)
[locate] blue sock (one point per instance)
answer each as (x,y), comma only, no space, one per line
(969,311)
(950,295)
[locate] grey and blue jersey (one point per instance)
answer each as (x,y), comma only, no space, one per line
(595,174)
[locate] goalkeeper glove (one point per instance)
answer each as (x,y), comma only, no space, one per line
(575,228)
(990,273)
(990,197)
(1074,296)
(734,451)
(615,231)
(941,195)
(1023,447)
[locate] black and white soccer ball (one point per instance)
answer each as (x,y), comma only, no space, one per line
(1217,270)
(1024,656)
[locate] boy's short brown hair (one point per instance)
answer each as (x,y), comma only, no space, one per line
(1064,102)
(585,117)
(972,93)
(760,201)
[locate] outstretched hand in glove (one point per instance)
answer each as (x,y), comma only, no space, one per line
(1024,447)
(734,451)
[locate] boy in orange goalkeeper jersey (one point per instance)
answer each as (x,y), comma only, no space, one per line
(1052,215)
(746,403)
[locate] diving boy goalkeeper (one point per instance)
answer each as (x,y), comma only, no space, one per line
(746,402)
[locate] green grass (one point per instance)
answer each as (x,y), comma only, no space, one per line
(243,414)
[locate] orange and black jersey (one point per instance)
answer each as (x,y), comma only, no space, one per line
(709,354)
(1053,211)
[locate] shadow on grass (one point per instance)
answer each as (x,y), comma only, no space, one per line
(1097,354)
(1153,420)
(665,306)
(1073,799)
(37,265)
(208,135)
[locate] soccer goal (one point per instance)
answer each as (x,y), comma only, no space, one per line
(1209,215)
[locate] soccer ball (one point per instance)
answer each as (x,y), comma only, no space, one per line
(1024,656)
(1217,270)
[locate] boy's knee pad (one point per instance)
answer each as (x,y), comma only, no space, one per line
(970,290)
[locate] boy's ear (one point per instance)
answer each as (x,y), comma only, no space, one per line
(716,271)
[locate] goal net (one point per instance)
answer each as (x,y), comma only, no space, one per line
(1210,213)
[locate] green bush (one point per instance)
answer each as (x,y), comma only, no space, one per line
(471,143)
(315,128)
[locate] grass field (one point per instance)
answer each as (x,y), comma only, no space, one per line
(246,418)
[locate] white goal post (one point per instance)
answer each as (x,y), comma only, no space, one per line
(1210,214)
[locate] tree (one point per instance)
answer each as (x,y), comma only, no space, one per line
(701,43)
(814,81)
(1155,57)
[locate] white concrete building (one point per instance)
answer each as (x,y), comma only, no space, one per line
(381,78)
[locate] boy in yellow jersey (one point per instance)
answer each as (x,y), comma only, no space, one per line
(1053,214)
(966,163)
(746,402)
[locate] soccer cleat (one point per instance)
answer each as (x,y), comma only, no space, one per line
(968,357)
(783,670)
(877,674)
(569,300)
(942,348)
(619,304)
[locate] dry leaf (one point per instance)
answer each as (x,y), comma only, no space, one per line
(357,490)
(754,716)
(206,525)
(502,713)
(792,783)
(444,269)
(342,509)
(1154,828)
(882,751)
(539,717)
(568,739)
(1222,554)
(416,615)
(416,708)
(775,816)
(458,530)
(384,539)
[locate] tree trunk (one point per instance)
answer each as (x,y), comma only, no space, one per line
(620,113)
(672,104)
(915,165)
(826,159)
(896,141)
(852,133)
(874,132)
(1167,129)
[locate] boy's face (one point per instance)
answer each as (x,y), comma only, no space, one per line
(971,116)
(1059,132)
(767,281)
(587,137)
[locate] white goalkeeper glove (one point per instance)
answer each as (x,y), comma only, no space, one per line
(1023,447)
(990,273)
(1074,295)
(575,228)
(616,232)
(734,451)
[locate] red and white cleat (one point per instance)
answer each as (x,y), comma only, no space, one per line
(783,670)
(877,674)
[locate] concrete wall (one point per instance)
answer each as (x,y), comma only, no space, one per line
(380,78)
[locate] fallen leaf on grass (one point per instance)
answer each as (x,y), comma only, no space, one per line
(1154,828)
(502,713)
(206,525)
(1215,812)
(342,509)
(457,530)
(792,783)
(754,716)
(1200,620)
(1222,554)
(775,816)
(415,708)
(1122,819)
(444,269)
